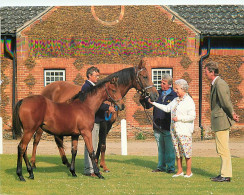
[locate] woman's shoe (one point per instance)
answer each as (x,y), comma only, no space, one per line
(181,174)
(187,176)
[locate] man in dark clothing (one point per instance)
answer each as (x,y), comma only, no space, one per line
(161,126)
(92,74)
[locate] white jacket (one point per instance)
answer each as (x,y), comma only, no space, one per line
(185,114)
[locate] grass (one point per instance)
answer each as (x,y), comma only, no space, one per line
(129,175)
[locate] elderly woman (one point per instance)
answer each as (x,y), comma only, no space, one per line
(183,113)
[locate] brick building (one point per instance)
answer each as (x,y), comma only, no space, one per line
(44,44)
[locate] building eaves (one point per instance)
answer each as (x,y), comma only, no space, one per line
(167,8)
(214,20)
(13,18)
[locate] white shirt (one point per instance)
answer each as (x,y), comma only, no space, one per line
(92,83)
(214,80)
(185,113)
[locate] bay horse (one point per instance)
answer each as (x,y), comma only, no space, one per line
(60,91)
(74,118)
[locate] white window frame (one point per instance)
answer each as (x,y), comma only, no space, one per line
(157,76)
(54,76)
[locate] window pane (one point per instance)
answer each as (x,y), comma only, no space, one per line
(157,76)
(53,75)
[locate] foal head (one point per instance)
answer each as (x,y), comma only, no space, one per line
(114,93)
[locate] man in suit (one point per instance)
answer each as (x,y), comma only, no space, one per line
(161,126)
(92,74)
(222,118)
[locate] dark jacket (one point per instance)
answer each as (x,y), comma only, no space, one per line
(161,118)
(100,114)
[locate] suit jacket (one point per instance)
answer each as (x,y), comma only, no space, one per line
(100,114)
(221,106)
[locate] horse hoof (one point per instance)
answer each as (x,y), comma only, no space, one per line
(68,165)
(74,175)
(101,177)
(31,177)
(33,166)
(21,178)
(106,171)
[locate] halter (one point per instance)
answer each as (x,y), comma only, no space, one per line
(110,97)
(138,80)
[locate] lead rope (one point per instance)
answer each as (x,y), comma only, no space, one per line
(150,119)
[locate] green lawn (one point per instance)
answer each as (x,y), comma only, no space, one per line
(129,175)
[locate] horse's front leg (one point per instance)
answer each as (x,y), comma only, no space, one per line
(105,126)
(74,152)
(60,144)
(87,136)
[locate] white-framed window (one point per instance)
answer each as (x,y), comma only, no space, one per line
(157,75)
(53,75)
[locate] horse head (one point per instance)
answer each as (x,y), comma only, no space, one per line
(144,83)
(114,93)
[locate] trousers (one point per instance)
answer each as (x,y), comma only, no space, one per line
(166,153)
(222,148)
(88,168)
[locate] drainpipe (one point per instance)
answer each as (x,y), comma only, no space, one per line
(200,83)
(12,56)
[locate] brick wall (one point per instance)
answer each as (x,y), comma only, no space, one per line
(61,39)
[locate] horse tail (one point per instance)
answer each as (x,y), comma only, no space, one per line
(16,122)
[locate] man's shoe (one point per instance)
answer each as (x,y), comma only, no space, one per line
(222,179)
(156,170)
(215,177)
(90,174)
(170,171)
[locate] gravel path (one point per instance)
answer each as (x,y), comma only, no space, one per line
(141,148)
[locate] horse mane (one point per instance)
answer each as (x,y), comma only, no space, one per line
(125,76)
(83,95)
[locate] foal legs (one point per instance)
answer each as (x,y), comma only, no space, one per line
(59,142)
(22,152)
(28,165)
(37,139)
(87,136)
(105,127)
(74,152)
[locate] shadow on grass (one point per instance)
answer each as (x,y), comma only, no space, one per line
(137,162)
(55,165)
(152,165)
